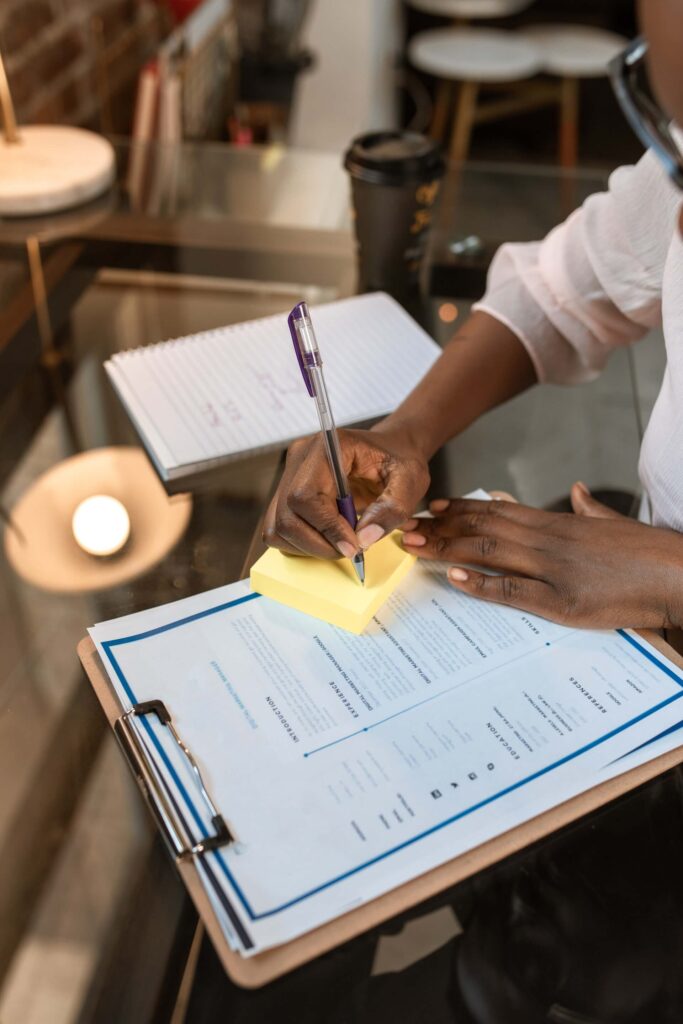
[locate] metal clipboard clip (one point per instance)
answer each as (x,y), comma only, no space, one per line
(160,798)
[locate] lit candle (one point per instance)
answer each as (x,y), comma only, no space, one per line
(101,525)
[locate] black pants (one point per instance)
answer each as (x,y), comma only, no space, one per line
(589,927)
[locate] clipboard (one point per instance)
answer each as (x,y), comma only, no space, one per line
(265,967)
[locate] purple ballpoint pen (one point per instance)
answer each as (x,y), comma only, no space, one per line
(310,362)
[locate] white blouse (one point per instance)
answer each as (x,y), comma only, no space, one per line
(604,278)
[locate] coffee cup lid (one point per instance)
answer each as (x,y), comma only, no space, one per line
(394,158)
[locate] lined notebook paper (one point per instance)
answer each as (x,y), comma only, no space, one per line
(212,397)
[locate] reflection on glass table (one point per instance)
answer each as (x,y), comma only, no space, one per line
(249,213)
(258,185)
(483,205)
(94,925)
(86,895)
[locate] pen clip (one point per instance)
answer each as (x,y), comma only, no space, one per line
(299,312)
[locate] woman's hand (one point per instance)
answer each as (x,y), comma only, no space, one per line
(594,569)
(388,476)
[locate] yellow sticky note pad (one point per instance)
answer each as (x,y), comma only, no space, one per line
(331,590)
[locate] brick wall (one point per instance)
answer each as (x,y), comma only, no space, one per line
(53,52)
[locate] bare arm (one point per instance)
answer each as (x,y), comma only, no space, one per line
(484,365)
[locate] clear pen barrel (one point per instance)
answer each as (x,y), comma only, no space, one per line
(329,431)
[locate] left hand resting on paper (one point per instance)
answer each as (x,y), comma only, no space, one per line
(594,569)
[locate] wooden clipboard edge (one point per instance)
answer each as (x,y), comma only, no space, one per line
(96,673)
(265,967)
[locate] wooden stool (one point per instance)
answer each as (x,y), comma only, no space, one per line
(514,64)
(570,53)
(473,58)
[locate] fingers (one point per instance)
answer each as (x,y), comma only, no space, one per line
(303,517)
(584,504)
(289,533)
(499,509)
(440,506)
(488,551)
(518,592)
(269,534)
(406,480)
(436,535)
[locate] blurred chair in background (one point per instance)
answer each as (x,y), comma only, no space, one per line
(521,69)
(474,59)
(570,53)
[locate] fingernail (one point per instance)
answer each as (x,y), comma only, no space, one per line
(440,505)
(582,487)
(414,540)
(457,575)
(411,524)
(369,535)
(346,549)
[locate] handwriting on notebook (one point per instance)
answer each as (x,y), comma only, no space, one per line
(227,392)
(274,391)
(231,410)
(212,415)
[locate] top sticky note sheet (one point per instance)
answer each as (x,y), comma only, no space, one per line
(330,590)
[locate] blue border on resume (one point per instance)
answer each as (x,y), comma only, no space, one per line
(107,646)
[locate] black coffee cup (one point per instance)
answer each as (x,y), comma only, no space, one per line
(395,179)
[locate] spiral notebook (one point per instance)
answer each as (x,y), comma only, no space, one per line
(209,398)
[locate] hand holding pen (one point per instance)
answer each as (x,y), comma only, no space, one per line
(389,471)
(311,364)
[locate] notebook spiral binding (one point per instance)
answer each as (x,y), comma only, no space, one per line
(159,796)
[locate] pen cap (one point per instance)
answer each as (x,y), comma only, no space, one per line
(304,341)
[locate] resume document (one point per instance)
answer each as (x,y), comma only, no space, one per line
(347,765)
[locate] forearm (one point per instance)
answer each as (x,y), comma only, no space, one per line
(484,365)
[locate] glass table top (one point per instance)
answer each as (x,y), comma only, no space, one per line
(94,924)
(257,185)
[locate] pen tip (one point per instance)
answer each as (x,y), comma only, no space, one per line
(359,566)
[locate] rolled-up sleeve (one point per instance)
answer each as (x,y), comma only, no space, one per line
(595,282)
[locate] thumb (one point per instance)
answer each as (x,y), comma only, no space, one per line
(584,504)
